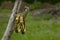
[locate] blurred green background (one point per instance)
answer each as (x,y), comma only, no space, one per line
(44,27)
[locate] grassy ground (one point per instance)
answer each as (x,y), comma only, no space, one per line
(36,29)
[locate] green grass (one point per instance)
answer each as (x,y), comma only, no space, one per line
(4,11)
(36,29)
(3,24)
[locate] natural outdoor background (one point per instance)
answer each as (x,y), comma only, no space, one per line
(42,21)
